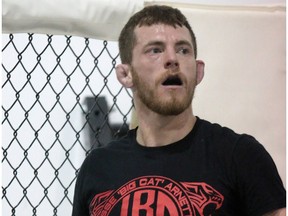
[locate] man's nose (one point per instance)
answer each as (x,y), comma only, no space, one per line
(171,61)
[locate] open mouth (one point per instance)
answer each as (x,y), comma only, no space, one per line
(173,81)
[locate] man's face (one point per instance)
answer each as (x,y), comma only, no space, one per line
(164,68)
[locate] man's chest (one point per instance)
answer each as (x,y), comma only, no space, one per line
(159,187)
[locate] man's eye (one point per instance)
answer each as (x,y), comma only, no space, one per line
(154,50)
(183,50)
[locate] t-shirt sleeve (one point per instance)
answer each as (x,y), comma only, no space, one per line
(259,185)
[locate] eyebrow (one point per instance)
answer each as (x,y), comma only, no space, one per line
(160,43)
(184,42)
(153,43)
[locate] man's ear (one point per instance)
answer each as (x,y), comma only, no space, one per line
(200,65)
(124,76)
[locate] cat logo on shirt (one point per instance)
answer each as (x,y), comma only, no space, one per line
(157,196)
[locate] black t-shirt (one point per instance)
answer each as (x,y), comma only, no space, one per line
(211,171)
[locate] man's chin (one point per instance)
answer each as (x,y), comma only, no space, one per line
(171,109)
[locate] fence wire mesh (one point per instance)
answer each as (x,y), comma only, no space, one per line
(60,99)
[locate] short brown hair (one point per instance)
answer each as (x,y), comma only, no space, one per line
(148,16)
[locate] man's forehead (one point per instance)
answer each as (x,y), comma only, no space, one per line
(161,31)
(160,28)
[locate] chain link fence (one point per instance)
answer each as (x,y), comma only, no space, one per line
(60,99)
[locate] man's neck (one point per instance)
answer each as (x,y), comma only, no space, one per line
(157,130)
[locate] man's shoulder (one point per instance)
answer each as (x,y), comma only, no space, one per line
(223,135)
(217,129)
(120,144)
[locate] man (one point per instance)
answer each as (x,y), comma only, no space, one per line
(173,163)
